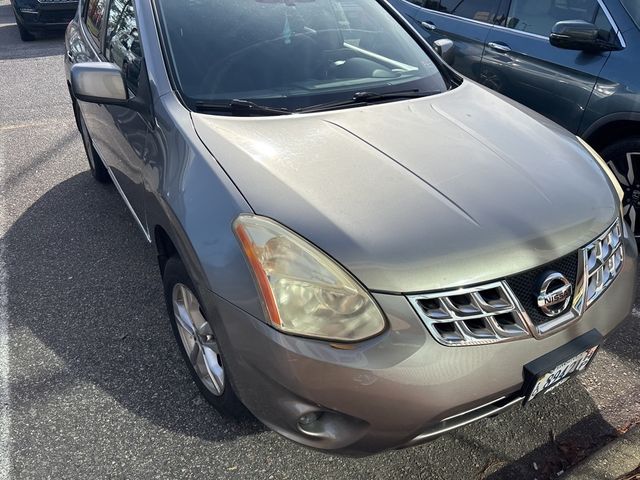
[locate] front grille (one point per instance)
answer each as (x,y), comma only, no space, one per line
(604,258)
(508,309)
(472,316)
(55,16)
(526,285)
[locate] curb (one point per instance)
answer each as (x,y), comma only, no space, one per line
(612,462)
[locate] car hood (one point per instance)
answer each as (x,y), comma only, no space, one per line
(431,193)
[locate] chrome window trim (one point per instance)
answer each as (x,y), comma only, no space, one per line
(450,15)
(613,23)
(604,8)
(522,32)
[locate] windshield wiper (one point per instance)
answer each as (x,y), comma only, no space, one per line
(241,107)
(367,97)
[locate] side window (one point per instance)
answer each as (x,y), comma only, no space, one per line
(539,16)
(479,10)
(607,32)
(122,44)
(95,14)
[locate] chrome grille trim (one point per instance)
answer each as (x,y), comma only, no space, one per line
(603,259)
(451,322)
(472,316)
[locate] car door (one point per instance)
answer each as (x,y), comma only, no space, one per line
(520,62)
(466,22)
(120,134)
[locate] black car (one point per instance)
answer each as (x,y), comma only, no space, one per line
(42,15)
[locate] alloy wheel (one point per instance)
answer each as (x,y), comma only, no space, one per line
(198,339)
(630,182)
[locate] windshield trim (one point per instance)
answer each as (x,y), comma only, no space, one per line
(450,77)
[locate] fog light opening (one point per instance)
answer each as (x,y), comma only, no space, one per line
(310,423)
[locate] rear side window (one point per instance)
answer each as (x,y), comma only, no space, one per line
(539,16)
(95,14)
(122,44)
(479,10)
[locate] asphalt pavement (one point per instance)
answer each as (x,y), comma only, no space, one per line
(91,382)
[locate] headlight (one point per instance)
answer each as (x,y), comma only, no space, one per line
(605,167)
(303,291)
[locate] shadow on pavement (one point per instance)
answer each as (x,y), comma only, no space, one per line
(83,281)
(560,452)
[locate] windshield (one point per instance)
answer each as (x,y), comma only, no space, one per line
(633,7)
(290,54)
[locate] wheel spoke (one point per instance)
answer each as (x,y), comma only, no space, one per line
(183,319)
(621,178)
(214,369)
(181,309)
(632,217)
(195,355)
(197,338)
(630,168)
(212,345)
(200,325)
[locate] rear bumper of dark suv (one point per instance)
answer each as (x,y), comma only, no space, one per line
(38,15)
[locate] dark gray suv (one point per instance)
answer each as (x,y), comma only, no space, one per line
(574,61)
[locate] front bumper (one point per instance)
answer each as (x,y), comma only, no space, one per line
(399,389)
(45,15)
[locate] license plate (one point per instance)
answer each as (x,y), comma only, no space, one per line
(561,373)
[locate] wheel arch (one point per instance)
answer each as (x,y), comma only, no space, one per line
(165,247)
(611,129)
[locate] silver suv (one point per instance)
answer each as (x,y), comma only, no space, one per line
(359,245)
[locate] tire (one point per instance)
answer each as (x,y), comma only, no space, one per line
(98,170)
(25,35)
(623,157)
(201,352)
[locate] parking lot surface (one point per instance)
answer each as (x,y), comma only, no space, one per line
(91,382)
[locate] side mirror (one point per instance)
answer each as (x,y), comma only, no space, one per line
(580,35)
(444,48)
(99,82)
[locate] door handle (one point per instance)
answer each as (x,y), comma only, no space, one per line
(428,25)
(501,47)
